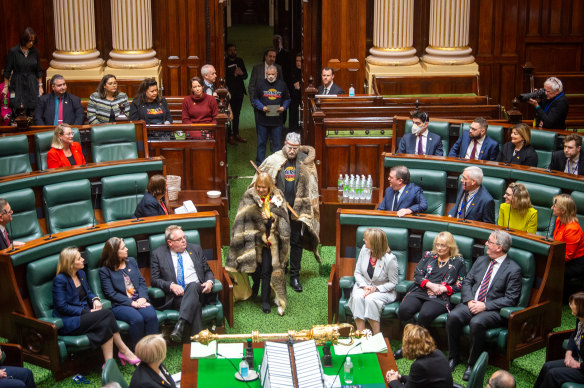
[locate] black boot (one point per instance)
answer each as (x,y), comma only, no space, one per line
(177,332)
(295,283)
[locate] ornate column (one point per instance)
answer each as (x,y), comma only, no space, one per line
(132,35)
(393,33)
(449,29)
(75,35)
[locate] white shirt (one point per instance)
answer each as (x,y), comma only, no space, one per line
(572,168)
(496,267)
(188,267)
(478,149)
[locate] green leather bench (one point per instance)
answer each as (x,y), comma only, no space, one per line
(68,205)
(495,132)
(120,194)
(544,143)
(434,185)
(42,145)
(25,224)
(113,142)
(14,157)
(542,199)
(441,128)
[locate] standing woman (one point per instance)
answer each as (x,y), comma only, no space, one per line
(23,75)
(152,203)
(64,151)
(376,275)
(107,104)
(123,284)
(517,212)
(149,105)
(518,150)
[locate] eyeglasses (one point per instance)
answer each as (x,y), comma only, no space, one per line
(492,242)
(9,212)
(178,239)
(440,245)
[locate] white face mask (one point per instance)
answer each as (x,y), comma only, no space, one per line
(416,130)
(271,78)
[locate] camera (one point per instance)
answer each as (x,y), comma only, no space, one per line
(536,95)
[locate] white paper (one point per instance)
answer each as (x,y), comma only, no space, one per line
(374,344)
(198,350)
(230,350)
(190,206)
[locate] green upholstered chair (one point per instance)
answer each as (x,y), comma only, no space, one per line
(578,197)
(120,195)
(477,375)
(542,198)
(42,145)
(556,346)
(496,187)
(25,224)
(398,243)
(441,128)
(111,374)
(68,205)
(496,132)
(14,158)
(434,185)
(113,142)
(544,143)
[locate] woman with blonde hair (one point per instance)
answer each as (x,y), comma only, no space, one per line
(517,212)
(376,275)
(568,229)
(430,367)
(64,151)
(518,150)
(151,373)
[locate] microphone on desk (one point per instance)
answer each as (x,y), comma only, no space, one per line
(547,232)
(138,219)
(93,214)
(50,237)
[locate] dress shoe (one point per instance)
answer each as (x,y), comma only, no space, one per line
(231,140)
(255,289)
(240,139)
(124,360)
(296,286)
(452,363)
(266,308)
(177,332)
(398,354)
(467,373)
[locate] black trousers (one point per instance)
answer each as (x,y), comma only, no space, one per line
(295,248)
(263,275)
(555,373)
(235,103)
(429,309)
(190,305)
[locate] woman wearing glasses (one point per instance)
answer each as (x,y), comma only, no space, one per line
(64,151)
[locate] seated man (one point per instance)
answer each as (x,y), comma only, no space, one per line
(571,159)
(182,272)
(59,106)
(475,144)
(328,86)
(403,196)
(493,282)
(421,141)
(502,379)
(5,219)
(473,202)
(15,376)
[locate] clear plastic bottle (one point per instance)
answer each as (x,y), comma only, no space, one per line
(243,368)
(348,371)
(346,186)
(351,91)
(357,187)
(370,186)
(340,184)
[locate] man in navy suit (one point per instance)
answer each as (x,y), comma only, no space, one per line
(571,159)
(59,106)
(475,144)
(328,86)
(5,218)
(493,282)
(403,196)
(473,201)
(182,272)
(421,141)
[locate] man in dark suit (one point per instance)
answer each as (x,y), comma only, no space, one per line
(260,70)
(59,106)
(552,111)
(182,272)
(421,141)
(475,143)
(5,219)
(235,74)
(571,159)
(474,202)
(403,196)
(328,86)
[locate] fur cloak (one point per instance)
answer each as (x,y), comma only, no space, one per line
(249,237)
(306,204)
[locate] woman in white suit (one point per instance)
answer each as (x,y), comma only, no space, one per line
(375,279)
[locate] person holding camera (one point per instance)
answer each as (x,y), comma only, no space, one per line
(552,111)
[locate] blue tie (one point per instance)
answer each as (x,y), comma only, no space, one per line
(180,273)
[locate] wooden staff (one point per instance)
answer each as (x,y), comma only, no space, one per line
(287,204)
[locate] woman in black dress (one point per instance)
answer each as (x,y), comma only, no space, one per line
(518,150)
(23,75)
(149,105)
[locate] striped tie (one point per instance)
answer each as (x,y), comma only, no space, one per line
(485,283)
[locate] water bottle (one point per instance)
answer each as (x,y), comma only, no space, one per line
(348,371)
(352,187)
(366,188)
(346,186)
(351,91)
(243,368)
(340,184)
(357,187)
(370,187)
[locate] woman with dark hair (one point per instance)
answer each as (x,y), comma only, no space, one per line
(149,105)
(152,204)
(199,107)
(518,150)
(430,367)
(123,284)
(64,151)
(107,104)
(23,75)
(571,368)
(517,212)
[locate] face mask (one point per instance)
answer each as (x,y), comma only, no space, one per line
(271,78)
(416,130)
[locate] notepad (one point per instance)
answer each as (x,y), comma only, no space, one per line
(230,350)
(198,350)
(374,344)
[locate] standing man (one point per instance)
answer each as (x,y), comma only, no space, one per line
(271,99)
(294,173)
(421,141)
(475,143)
(5,218)
(571,159)
(554,108)
(402,196)
(474,202)
(209,75)
(328,86)
(59,106)
(493,282)
(260,71)
(182,272)
(282,58)
(235,74)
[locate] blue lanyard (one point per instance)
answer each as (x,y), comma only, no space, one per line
(466,203)
(550,104)
(575,170)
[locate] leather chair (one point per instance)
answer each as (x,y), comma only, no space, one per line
(478,372)
(434,185)
(42,145)
(542,198)
(113,142)
(68,205)
(11,355)
(25,224)
(121,194)
(544,143)
(14,158)
(398,243)
(578,197)
(111,373)
(441,128)
(495,132)
(556,346)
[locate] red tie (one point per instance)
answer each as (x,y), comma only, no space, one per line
(60,110)
(485,283)
(164,208)
(6,237)
(474,149)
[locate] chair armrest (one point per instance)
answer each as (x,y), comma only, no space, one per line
(456,298)
(527,329)
(346,282)
(217,286)
(58,322)
(106,304)
(507,311)
(227,298)
(155,293)
(12,354)
(39,340)
(333,300)
(403,286)
(555,345)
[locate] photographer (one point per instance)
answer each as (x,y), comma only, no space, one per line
(551,113)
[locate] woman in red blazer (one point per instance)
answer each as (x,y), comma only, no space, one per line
(64,151)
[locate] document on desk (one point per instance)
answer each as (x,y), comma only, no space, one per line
(198,350)
(230,350)
(374,344)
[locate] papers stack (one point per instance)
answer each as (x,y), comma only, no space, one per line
(308,366)
(199,350)
(374,344)
(276,368)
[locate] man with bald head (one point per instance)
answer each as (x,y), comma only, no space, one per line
(501,379)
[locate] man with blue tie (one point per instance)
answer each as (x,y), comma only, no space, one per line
(59,106)
(475,143)
(182,272)
(402,196)
(421,141)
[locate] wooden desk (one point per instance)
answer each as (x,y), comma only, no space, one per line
(190,367)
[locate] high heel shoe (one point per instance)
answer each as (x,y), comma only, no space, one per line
(124,359)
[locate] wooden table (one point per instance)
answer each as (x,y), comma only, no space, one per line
(190,367)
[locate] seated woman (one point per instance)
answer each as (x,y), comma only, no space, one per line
(64,151)
(430,367)
(261,226)
(15,376)
(555,373)
(123,284)
(376,275)
(518,150)
(107,104)
(152,203)
(149,105)
(198,107)
(80,309)
(151,373)
(517,212)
